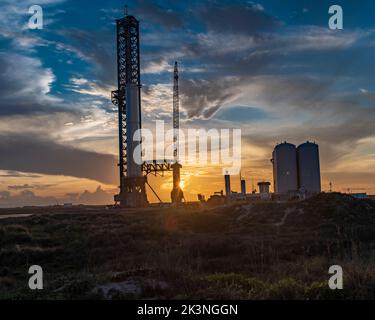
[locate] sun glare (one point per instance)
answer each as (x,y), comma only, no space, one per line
(182,184)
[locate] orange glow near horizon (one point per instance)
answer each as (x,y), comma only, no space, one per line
(195,180)
(202,182)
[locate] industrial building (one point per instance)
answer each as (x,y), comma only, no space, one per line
(296,175)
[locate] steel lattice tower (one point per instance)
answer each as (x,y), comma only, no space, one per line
(176,194)
(176,112)
(128,99)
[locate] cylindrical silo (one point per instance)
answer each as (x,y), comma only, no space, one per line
(284,159)
(308,167)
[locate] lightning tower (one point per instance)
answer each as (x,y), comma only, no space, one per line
(128,100)
(176,194)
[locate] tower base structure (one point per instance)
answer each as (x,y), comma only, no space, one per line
(133,193)
(177,194)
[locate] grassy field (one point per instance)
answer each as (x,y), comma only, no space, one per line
(258,251)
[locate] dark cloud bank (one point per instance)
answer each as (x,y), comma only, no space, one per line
(27,153)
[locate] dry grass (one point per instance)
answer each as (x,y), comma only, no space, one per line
(198,254)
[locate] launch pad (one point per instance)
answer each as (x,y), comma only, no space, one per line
(132,171)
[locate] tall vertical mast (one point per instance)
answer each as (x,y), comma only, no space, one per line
(128,99)
(176,194)
(176,112)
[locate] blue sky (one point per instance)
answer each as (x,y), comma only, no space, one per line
(271,68)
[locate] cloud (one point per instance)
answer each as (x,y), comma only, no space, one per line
(307,108)
(28,186)
(242,114)
(37,154)
(97,47)
(253,44)
(315,38)
(16,174)
(154,13)
(29,198)
(202,98)
(157,99)
(89,87)
(24,198)
(20,187)
(249,18)
(14,17)
(24,76)
(25,87)
(157,67)
(99,196)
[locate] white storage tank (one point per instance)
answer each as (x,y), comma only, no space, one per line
(284,159)
(309,167)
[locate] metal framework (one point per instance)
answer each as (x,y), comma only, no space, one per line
(176,194)
(176,112)
(156,167)
(127,97)
(132,187)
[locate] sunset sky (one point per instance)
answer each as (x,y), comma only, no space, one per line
(272,68)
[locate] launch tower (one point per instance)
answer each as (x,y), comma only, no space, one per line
(128,100)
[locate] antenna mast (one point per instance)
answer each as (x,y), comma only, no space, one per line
(176,112)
